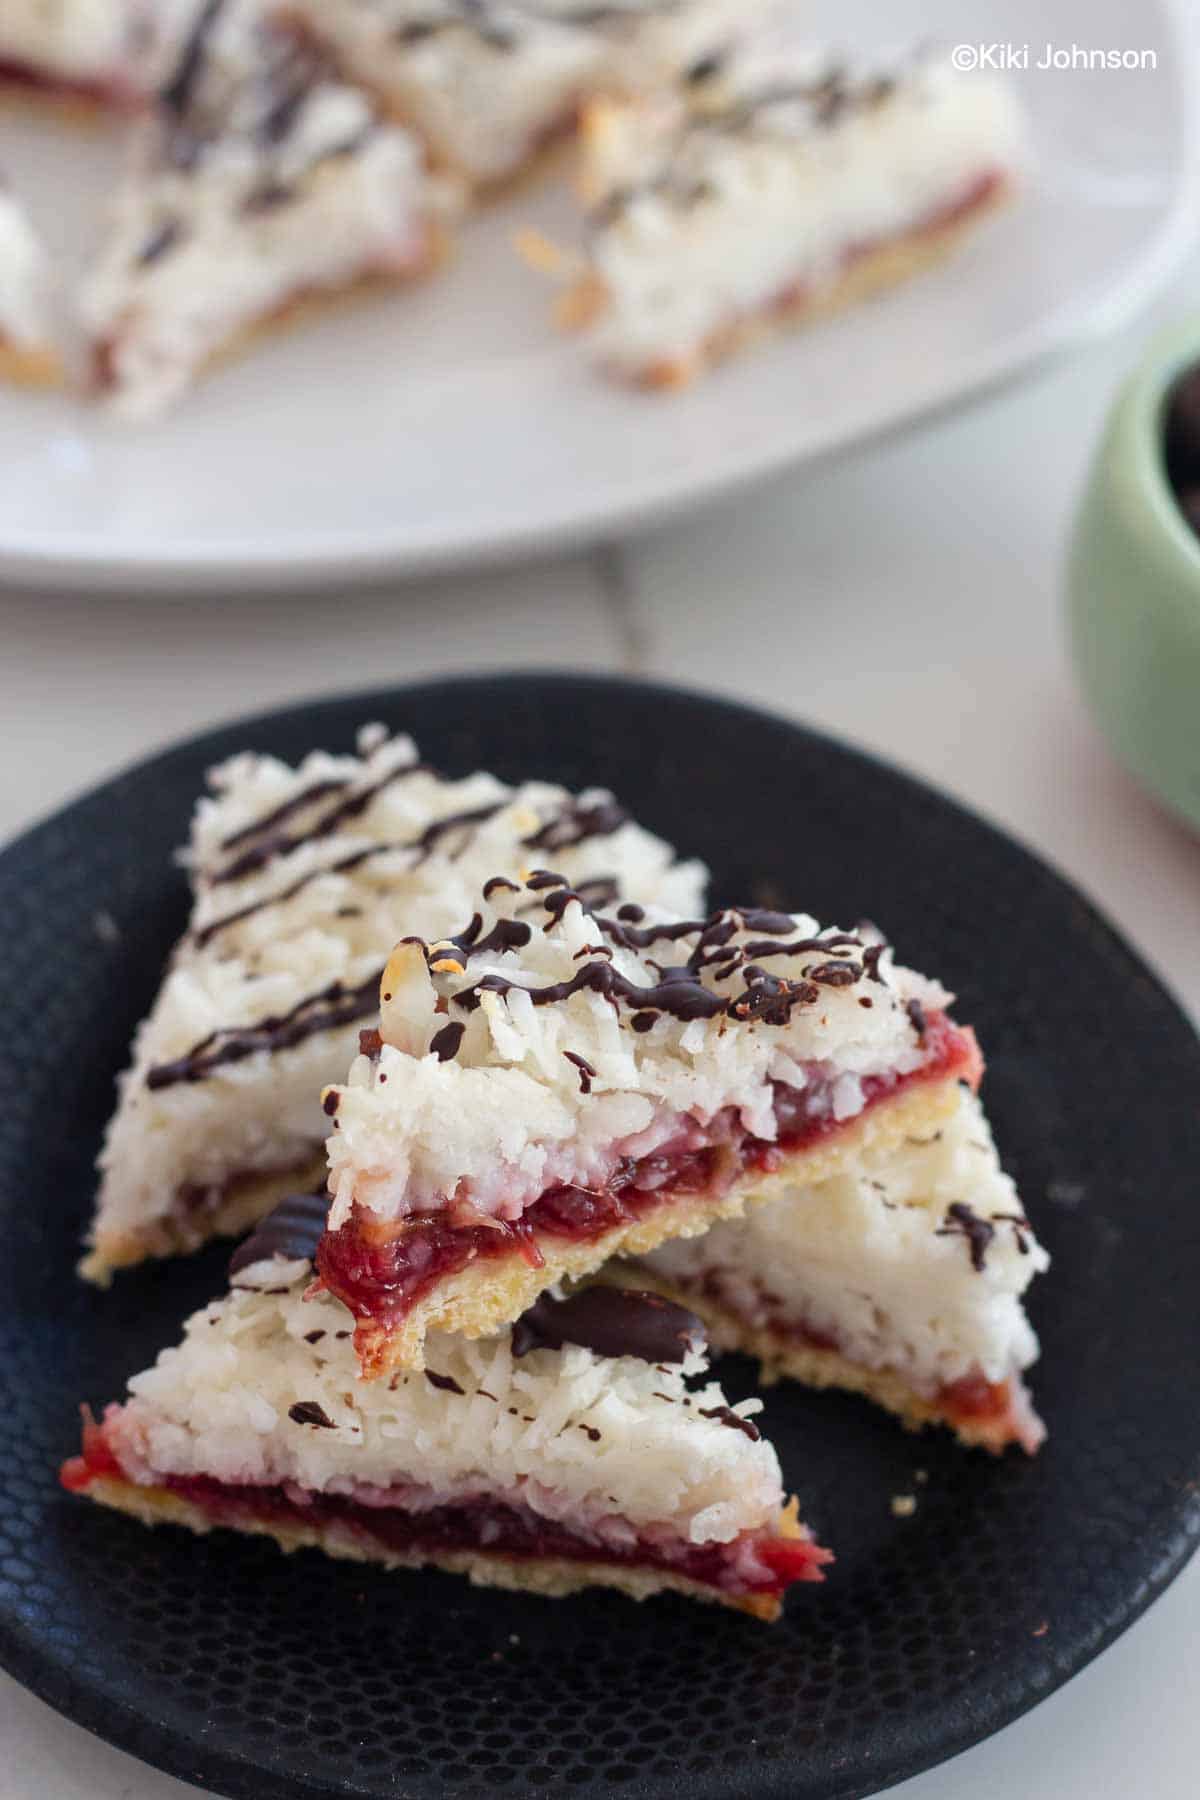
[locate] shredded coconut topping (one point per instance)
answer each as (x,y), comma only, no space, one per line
(303,879)
(765,176)
(487,81)
(676,1019)
(602,1444)
(878,1264)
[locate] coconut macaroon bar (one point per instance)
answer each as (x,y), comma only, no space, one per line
(585,1447)
(900,1279)
(261,185)
(555,1085)
(27,353)
(97,52)
(757,195)
(303,879)
(490,83)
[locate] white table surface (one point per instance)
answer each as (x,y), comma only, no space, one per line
(908,599)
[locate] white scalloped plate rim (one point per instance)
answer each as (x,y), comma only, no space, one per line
(460,460)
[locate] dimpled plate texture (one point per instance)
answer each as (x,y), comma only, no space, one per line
(268,1676)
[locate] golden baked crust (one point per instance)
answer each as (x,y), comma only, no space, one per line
(246,1200)
(783,1359)
(487,1295)
(552,1576)
(35,365)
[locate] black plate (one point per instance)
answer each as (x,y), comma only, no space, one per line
(264,1676)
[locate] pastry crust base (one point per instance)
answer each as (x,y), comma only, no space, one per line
(246,1200)
(783,1359)
(868,274)
(487,1295)
(35,365)
(552,1576)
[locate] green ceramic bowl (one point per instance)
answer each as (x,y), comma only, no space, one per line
(1134,589)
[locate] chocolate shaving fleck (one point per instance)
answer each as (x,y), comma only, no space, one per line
(291,1231)
(309,1412)
(445,1042)
(446,1383)
(610,1321)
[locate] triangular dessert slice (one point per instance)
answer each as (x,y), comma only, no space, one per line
(585,1448)
(261,186)
(553,1085)
(759,195)
(27,353)
(900,1279)
(88,53)
(303,878)
(490,84)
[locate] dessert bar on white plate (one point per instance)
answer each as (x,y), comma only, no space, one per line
(96,52)
(762,192)
(303,880)
(558,1082)
(27,352)
(260,185)
(490,83)
(585,1447)
(900,1279)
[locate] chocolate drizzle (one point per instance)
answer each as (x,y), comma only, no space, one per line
(571,826)
(159,242)
(318,790)
(333,1006)
(586,1072)
(291,1231)
(610,1321)
(491,23)
(576,823)
(680,990)
(177,95)
(734,1420)
(282,843)
(963,1221)
(683,999)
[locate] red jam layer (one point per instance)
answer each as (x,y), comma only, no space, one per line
(998,1413)
(382,1272)
(756,1563)
(89,93)
(979,193)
